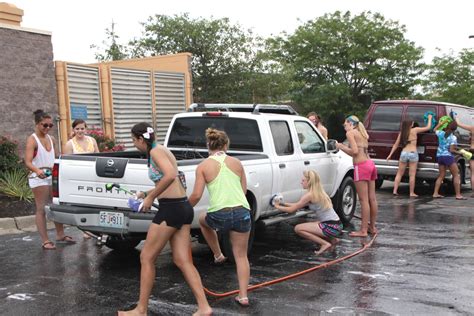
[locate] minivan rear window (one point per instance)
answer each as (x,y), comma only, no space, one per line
(191,132)
(386,118)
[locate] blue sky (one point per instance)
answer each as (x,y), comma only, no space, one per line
(75,25)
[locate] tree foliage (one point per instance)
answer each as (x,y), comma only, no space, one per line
(111,49)
(450,78)
(340,63)
(226,62)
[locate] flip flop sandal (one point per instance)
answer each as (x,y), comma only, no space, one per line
(242,301)
(48,242)
(66,240)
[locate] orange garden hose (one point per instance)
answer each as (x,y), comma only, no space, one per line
(297,274)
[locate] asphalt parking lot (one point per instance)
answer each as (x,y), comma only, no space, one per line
(419,264)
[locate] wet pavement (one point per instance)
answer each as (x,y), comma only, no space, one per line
(421,263)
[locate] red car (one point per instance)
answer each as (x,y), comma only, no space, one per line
(383,122)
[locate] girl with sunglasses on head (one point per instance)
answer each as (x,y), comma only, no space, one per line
(39,159)
(171,223)
(365,173)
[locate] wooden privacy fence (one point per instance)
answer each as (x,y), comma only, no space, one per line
(115,98)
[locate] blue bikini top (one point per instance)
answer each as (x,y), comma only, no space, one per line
(154,173)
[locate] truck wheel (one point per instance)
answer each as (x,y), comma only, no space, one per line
(346,200)
(378,183)
(121,244)
(226,245)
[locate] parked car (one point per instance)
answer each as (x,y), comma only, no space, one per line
(274,144)
(383,121)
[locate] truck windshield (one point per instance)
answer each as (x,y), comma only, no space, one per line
(190,132)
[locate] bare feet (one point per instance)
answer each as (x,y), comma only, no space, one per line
(133,312)
(323,248)
(372,230)
(395,193)
(206,312)
(86,236)
(413,195)
(358,233)
(438,196)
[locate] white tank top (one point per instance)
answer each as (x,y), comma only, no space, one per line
(43,157)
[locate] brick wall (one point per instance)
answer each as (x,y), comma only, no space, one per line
(27,82)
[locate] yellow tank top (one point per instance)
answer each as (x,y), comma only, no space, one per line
(77,149)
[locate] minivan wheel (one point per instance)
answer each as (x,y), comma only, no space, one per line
(378,183)
(346,200)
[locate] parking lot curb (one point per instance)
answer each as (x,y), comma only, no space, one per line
(20,224)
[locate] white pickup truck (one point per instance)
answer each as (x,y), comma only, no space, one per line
(274,144)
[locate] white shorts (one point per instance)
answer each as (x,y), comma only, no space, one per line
(38,182)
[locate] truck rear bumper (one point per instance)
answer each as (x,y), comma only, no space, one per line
(425,171)
(88,219)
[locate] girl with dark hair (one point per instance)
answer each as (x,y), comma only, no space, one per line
(39,159)
(229,210)
(407,139)
(365,173)
(171,223)
(80,143)
(447,147)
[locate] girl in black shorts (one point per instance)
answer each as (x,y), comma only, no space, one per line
(171,223)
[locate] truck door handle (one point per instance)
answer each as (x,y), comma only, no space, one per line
(306,163)
(282,165)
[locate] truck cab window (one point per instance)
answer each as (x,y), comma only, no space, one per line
(282,138)
(309,140)
(386,118)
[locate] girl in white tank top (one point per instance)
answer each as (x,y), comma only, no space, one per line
(43,159)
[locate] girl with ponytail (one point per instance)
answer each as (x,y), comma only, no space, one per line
(171,223)
(365,173)
(328,225)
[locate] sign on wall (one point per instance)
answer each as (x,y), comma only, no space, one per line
(78,111)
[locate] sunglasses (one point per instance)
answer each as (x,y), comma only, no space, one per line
(47,125)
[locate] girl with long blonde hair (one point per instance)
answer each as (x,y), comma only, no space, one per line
(365,173)
(328,226)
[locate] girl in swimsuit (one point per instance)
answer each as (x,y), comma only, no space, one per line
(171,223)
(407,138)
(365,173)
(469,128)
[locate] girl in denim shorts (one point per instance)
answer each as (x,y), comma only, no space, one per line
(328,225)
(407,139)
(228,210)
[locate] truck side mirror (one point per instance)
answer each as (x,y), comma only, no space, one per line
(331,146)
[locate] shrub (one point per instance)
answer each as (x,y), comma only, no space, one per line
(14,183)
(9,158)
(105,143)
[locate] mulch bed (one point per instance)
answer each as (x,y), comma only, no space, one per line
(10,207)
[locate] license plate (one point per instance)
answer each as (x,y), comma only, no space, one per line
(111,219)
(420,149)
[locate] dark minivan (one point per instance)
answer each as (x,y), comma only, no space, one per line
(383,122)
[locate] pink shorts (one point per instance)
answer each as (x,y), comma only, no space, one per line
(365,171)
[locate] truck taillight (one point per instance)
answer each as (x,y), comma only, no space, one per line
(55,175)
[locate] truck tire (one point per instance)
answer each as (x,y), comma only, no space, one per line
(122,244)
(224,238)
(346,200)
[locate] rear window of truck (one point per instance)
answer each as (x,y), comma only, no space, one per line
(386,118)
(244,134)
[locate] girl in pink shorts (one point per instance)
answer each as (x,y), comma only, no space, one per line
(365,174)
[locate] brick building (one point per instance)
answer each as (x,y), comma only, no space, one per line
(27,77)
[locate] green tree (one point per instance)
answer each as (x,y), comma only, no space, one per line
(226,62)
(110,49)
(450,78)
(340,63)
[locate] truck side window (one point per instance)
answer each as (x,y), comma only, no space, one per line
(282,138)
(309,140)
(416,113)
(386,118)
